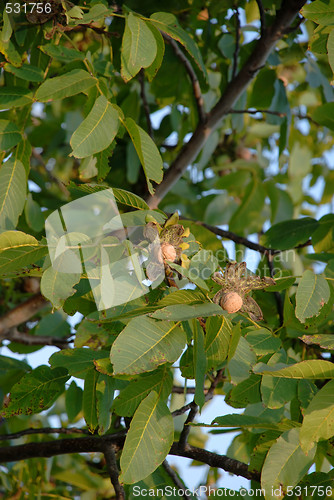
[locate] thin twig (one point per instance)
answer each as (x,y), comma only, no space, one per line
(109,454)
(183,390)
(145,103)
(237,43)
(255,111)
(192,75)
(182,410)
(236,238)
(176,480)
(44,430)
(262,17)
(277,295)
(186,427)
(194,409)
(52,177)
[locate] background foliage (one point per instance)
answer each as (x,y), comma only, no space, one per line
(223,112)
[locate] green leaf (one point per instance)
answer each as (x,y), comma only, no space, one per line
(247,216)
(9,136)
(245,393)
(97,131)
(276,391)
(139,47)
(57,286)
(160,381)
(167,23)
(199,364)
(265,422)
(73,401)
(14,97)
(33,214)
(312,294)
(184,312)
(147,151)
(285,465)
(18,250)
(53,325)
(26,72)
(23,153)
(318,422)
(77,360)
(144,344)
(152,70)
(89,399)
(323,237)
(217,340)
(36,391)
(323,340)
(312,369)
(62,53)
(263,89)
(66,85)
(148,440)
(243,360)
(105,396)
(13,185)
(330,49)
(289,234)
(262,341)
(320,11)
(324,115)
(121,195)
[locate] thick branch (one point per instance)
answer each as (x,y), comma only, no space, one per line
(192,75)
(97,445)
(14,335)
(235,88)
(109,455)
(22,313)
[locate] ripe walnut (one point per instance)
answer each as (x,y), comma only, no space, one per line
(231,302)
(236,283)
(168,251)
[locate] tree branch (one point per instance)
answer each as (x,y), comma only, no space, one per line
(44,430)
(255,111)
(186,427)
(176,480)
(237,43)
(192,75)
(262,16)
(109,454)
(145,103)
(14,335)
(234,89)
(95,444)
(21,313)
(236,238)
